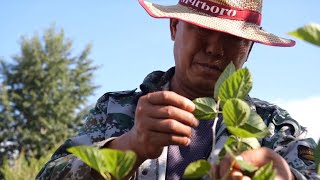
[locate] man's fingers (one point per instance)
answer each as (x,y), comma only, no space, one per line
(258,157)
(170,98)
(236,175)
(163,139)
(169,126)
(171,112)
(224,165)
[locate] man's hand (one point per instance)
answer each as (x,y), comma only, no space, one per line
(258,158)
(161,118)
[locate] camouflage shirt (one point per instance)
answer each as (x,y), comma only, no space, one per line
(113,115)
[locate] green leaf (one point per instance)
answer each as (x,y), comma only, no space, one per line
(317,157)
(206,108)
(242,133)
(243,165)
(252,142)
(244,144)
(91,156)
(255,125)
(228,71)
(229,151)
(230,142)
(265,172)
(246,166)
(238,85)
(236,112)
(197,169)
(309,33)
(120,162)
(117,163)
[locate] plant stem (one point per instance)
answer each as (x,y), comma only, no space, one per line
(225,176)
(211,159)
(214,127)
(239,140)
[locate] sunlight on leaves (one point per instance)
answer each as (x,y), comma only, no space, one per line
(236,112)
(228,71)
(91,156)
(252,142)
(238,85)
(117,163)
(309,33)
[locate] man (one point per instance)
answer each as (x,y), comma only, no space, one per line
(157,123)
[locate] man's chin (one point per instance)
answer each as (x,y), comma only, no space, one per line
(206,87)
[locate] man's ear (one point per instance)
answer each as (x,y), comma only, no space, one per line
(173,28)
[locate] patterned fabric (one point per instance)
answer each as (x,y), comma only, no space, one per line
(179,157)
(113,115)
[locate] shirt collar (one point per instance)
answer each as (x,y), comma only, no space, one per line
(157,81)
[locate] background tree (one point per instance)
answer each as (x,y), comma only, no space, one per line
(43,89)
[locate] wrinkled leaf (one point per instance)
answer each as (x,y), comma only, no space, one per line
(236,112)
(206,108)
(309,33)
(197,169)
(228,71)
(238,85)
(243,165)
(117,163)
(265,172)
(317,157)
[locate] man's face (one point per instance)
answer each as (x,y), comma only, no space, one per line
(201,54)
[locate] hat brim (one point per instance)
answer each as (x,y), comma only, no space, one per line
(238,28)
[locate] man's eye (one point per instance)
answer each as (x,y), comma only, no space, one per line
(202,31)
(234,38)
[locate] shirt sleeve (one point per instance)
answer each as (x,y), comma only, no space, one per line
(100,127)
(289,140)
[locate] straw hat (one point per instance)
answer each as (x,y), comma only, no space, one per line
(241,18)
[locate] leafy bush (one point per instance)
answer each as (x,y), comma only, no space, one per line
(23,168)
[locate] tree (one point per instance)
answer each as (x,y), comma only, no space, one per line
(42,91)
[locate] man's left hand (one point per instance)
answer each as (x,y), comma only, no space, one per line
(258,158)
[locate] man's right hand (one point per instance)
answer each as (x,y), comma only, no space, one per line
(162,118)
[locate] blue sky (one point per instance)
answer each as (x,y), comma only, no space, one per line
(128,44)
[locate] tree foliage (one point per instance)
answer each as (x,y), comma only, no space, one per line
(43,89)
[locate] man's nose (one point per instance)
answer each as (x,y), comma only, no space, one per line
(214,44)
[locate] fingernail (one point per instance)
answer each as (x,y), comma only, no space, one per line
(196,122)
(191,103)
(237,174)
(239,157)
(188,142)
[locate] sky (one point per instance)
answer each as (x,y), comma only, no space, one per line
(128,44)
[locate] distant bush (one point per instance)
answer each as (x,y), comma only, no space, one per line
(23,168)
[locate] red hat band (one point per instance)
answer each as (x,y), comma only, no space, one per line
(222,11)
